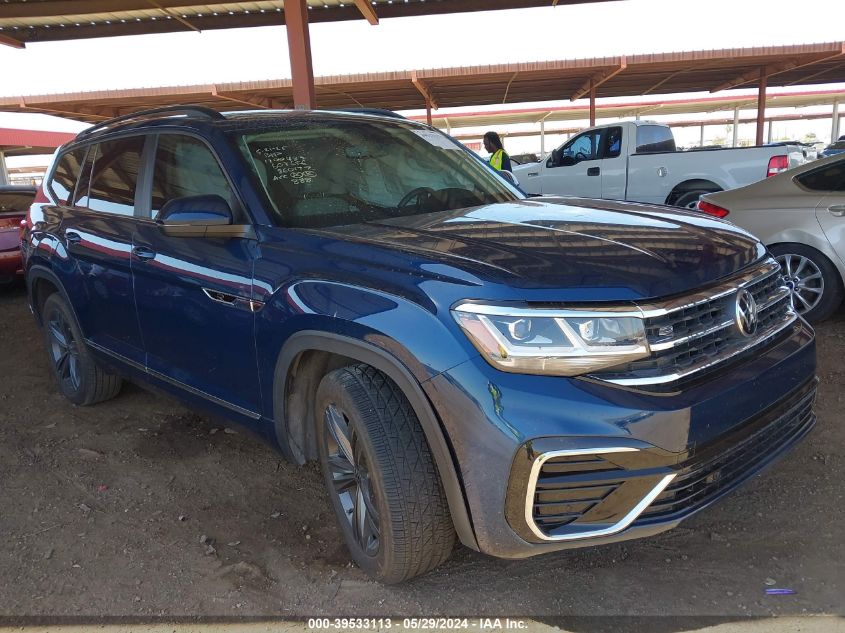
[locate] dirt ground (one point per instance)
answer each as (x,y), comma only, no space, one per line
(104,510)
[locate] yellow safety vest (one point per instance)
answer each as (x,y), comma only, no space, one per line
(496,159)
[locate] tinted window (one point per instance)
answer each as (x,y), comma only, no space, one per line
(15,202)
(67,172)
(184,166)
(654,138)
(614,142)
(828,178)
(114,176)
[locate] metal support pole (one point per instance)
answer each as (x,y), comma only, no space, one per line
(542,138)
(299,48)
(701,138)
(834,130)
(761,105)
(4,175)
(428,111)
(736,127)
(771,131)
(592,103)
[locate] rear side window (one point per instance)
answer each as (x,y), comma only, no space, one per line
(654,138)
(828,178)
(67,171)
(185,166)
(114,176)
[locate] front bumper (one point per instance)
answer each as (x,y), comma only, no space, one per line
(553,463)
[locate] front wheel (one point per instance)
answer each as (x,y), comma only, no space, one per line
(813,279)
(81,380)
(381,477)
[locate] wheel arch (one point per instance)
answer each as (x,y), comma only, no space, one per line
(41,282)
(309,355)
(692,184)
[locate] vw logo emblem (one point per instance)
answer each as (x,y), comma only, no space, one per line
(746,313)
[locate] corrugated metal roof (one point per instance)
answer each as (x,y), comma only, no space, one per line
(17,142)
(664,73)
(25,21)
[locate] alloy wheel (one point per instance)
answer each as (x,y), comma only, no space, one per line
(804,280)
(64,350)
(351,479)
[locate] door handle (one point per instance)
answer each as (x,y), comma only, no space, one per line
(837,209)
(73,237)
(144,253)
(533,173)
(593,171)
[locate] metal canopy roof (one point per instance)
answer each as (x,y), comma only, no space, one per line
(482,85)
(636,108)
(25,21)
(23,142)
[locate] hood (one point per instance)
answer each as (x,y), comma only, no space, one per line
(600,249)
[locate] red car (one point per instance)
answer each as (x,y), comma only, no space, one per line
(14,205)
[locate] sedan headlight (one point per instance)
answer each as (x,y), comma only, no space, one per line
(554,342)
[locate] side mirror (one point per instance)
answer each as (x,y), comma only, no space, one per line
(196,216)
(554,158)
(567,161)
(209,209)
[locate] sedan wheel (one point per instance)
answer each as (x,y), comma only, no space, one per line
(804,279)
(812,278)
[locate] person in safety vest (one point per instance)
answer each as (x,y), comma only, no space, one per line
(499,159)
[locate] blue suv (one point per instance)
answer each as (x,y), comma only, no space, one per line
(519,374)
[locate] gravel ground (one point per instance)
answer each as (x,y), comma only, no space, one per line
(140,507)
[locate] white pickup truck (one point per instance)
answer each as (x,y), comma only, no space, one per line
(637,161)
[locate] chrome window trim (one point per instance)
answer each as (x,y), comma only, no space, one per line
(617,527)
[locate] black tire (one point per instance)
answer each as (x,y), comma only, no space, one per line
(80,379)
(689,199)
(805,285)
(394,475)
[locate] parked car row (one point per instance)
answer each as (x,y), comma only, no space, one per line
(466,363)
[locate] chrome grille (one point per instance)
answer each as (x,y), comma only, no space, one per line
(691,336)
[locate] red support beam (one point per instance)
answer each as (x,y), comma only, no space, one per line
(299,46)
(592,103)
(428,111)
(10,41)
(761,105)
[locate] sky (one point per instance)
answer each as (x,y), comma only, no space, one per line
(548,33)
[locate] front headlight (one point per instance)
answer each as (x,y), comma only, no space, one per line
(555,342)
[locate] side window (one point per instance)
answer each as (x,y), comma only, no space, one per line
(114,176)
(586,146)
(828,178)
(654,138)
(185,166)
(614,142)
(64,178)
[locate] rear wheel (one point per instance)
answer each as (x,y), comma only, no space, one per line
(381,477)
(81,380)
(813,279)
(689,200)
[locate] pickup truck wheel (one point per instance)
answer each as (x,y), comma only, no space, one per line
(381,477)
(814,281)
(689,200)
(81,380)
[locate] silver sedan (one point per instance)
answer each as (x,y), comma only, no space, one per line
(800,215)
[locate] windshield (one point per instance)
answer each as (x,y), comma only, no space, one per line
(327,173)
(15,202)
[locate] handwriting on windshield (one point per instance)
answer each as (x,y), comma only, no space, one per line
(286,166)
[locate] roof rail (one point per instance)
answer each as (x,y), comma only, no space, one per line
(202,111)
(374,111)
